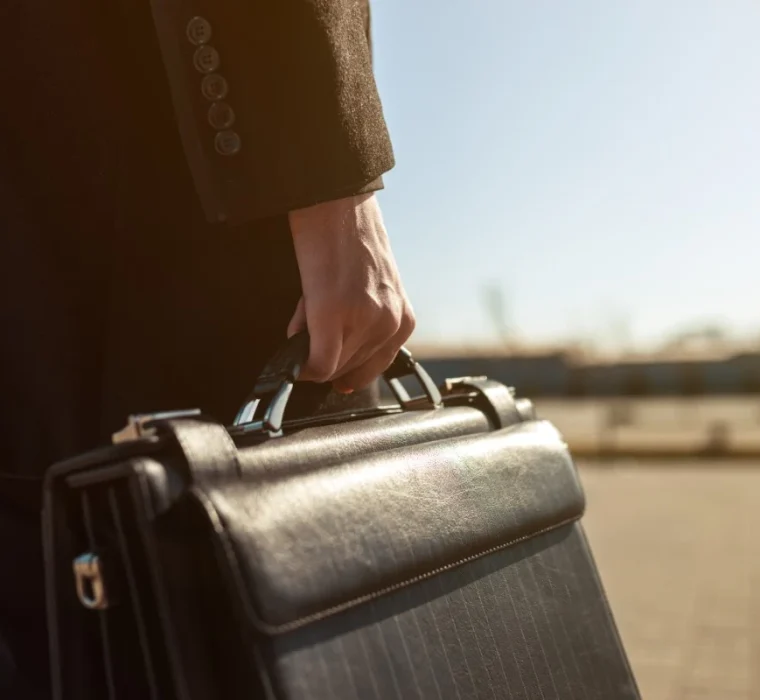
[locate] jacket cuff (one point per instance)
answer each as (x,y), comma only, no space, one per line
(351,191)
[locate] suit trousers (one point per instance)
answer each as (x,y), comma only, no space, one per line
(103,318)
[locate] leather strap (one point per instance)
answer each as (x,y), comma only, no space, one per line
(208,449)
(495,399)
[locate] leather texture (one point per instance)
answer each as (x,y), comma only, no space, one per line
(421,554)
(321,541)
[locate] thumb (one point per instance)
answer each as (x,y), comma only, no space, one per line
(298,322)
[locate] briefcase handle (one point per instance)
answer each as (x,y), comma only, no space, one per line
(274,386)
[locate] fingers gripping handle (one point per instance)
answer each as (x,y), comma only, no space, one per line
(275,384)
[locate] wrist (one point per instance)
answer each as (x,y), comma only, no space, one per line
(334,217)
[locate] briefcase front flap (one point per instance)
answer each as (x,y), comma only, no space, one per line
(308,545)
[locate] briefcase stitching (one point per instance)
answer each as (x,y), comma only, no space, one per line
(239,581)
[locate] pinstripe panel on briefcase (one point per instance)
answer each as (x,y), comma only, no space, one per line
(527,623)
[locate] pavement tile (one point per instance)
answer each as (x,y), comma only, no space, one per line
(677,550)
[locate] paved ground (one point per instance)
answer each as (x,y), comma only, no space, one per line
(679,552)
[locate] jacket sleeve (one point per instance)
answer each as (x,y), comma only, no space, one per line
(275,100)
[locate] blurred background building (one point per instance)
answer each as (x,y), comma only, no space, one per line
(561,374)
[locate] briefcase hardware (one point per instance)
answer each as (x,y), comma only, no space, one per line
(406,365)
(273,389)
(275,386)
(90,582)
(451,385)
(142,425)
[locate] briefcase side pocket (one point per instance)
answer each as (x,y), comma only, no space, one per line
(101,593)
(137,604)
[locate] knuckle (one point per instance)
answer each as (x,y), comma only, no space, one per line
(408,322)
(381,316)
(390,324)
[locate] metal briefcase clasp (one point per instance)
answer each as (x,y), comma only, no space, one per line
(141,425)
(90,582)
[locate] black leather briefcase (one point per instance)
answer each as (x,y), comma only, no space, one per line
(431,549)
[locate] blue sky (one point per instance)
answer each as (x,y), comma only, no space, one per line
(598,159)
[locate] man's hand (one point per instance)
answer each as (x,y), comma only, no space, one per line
(353,303)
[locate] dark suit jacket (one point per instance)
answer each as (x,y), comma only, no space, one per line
(141,268)
(301,121)
(112,192)
(121,290)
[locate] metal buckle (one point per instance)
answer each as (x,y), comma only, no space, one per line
(406,366)
(273,416)
(139,425)
(526,409)
(90,582)
(451,385)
